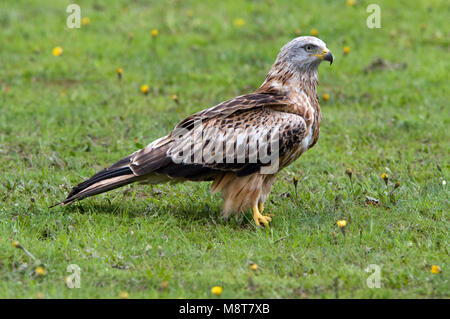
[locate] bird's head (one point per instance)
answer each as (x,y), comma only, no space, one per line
(305,53)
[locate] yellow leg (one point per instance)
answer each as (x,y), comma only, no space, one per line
(261,207)
(259,218)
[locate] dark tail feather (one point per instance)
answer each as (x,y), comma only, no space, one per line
(110,178)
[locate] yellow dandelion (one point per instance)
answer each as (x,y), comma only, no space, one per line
(239,22)
(85,21)
(57,51)
(385,177)
(40,271)
(346,50)
(314,32)
(351,3)
(254,267)
(119,73)
(155,33)
(144,89)
(174,97)
(435,269)
(341,223)
(217,290)
(124,295)
(16,244)
(349,171)
(326,97)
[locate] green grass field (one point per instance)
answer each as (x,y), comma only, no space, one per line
(62,118)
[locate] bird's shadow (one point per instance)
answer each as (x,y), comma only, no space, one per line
(197,212)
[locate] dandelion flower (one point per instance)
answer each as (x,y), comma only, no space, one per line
(174,97)
(435,269)
(144,89)
(217,290)
(119,73)
(314,32)
(57,51)
(346,50)
(341,223)
(124,295)
(351,3)
(349,172)
(254,267)
(295,181)
(385,177)
(16,244)
(85,21)
(326,97)
(40,271)
(239,22)
(155,33)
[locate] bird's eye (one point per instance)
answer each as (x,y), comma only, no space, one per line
(308,47)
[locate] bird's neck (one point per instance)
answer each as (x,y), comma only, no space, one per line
(299,87)
(285,79)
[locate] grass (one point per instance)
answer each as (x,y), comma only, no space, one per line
(64,118)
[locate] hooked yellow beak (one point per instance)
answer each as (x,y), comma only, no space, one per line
(325,55)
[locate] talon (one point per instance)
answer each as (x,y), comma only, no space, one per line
(259,218)
(261,209)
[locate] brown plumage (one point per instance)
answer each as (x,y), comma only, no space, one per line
(239,144)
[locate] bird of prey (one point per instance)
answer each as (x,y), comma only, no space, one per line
(224,143)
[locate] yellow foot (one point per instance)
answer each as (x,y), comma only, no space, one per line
(259,218)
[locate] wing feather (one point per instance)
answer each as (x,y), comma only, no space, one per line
(236,143)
